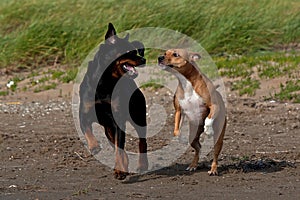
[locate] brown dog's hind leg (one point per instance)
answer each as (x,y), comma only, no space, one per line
(217,149)
(194,139)
(196,145)
(92,141)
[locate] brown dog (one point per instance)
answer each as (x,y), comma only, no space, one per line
(197,98)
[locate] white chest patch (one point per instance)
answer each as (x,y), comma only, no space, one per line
(192,104)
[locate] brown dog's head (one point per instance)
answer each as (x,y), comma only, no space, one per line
(124,55)
(177,59)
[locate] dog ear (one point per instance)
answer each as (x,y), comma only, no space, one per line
(194,56)
(139,46)
(110,36)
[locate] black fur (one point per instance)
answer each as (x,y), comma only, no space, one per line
(109,96)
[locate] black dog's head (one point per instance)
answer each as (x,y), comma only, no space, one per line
(123,55)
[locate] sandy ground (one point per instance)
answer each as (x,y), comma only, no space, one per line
(42,156)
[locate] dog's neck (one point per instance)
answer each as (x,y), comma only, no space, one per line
(190,73)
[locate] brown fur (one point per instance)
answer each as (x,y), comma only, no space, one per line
(211,104)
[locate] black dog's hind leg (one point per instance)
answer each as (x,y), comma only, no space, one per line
(87,117)
(121,162)
(110,134)
(137,109)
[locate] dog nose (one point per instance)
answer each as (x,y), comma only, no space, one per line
(161,58)
(143,60)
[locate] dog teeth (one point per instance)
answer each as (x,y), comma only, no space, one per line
(129,67)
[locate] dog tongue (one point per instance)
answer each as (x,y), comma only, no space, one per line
(130,69)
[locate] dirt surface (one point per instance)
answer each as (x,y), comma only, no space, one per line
(42,156)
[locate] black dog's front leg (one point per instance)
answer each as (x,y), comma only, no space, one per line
(137,109)
(121,162)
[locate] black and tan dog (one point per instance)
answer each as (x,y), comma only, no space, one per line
(109,96)
(197,98)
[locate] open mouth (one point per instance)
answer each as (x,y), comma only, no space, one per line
(130,69)
(164,66)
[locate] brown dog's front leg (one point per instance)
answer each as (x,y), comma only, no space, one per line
(177,117)
(177,123)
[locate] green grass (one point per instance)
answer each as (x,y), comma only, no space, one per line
(44,79)
(266,65)
(241,35)
(289,91)
(4,93)
(269,65)
(151,84)
(81,191)
(69,75)
(15,80)
(57,74)
(45,87)
(35,33)
(246,86)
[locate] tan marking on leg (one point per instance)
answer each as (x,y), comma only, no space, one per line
(177,123)
(121,164)
(87,106)
(91,140)
(143,159)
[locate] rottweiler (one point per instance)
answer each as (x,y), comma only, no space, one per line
(109,96)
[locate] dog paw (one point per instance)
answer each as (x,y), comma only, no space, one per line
(191,168)
(95,150)
(176,133)
(141,170)
(213,170)
(208,129)
(213,173)
(120,175)
(143,167)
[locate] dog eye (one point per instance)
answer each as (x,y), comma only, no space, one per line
(175,54)
(133,52)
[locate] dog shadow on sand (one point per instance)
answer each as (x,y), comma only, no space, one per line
(265,165)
